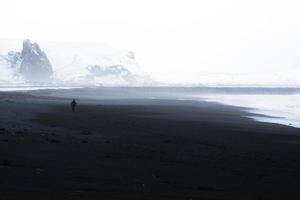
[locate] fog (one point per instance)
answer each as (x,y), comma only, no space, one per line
(187,42)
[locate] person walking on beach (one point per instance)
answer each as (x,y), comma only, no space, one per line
(73,105)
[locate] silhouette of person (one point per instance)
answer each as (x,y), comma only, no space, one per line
(73,105)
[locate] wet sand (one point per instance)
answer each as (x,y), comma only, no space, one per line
(142,149)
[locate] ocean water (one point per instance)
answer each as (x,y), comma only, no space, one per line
(276,108)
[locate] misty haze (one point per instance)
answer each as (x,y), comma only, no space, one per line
(149,99)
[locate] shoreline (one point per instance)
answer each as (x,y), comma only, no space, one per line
(281,113)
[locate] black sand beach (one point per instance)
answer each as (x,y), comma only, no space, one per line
(142,149)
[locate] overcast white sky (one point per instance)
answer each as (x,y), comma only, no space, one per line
(254,41)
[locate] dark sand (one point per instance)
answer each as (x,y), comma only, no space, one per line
(142,149)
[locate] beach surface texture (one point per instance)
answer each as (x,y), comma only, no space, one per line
(141,149)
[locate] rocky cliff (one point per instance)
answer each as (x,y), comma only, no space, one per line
(34,65)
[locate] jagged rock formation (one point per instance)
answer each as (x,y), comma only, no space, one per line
(14,59)
(35,65)
(31,64)
(96,71)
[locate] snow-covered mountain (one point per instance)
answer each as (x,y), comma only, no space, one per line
(69,64)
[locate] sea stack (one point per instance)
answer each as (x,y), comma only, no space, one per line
(35,66)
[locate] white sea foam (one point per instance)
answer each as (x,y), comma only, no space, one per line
(281,109)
